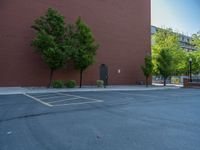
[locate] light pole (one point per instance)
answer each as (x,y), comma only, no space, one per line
(190,65)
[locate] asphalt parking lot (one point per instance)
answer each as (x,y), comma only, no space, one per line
(120,120)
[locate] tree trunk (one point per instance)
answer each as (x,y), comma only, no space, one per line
(165,81)
(50,78)
(81,77)
(147,82)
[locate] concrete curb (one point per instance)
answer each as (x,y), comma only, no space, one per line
(20,90)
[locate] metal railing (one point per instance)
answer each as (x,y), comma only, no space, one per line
(195,80)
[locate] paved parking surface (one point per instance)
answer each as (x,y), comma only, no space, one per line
(61,99)
(129,120)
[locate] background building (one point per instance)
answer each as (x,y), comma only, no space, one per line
(184,40)
(122,28)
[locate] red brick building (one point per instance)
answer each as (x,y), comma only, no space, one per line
(121,27)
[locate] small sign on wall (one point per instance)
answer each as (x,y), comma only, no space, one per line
(119,71)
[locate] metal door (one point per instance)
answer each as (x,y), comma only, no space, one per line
(104,74)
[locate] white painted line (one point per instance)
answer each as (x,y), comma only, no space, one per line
(42,96)
(59,96)
(133,94)
(76,103)
(81,97)
(63,100)
(38,100)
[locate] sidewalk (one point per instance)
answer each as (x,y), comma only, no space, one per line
(21,90)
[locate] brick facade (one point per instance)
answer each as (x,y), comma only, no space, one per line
(122,29)
(188,84)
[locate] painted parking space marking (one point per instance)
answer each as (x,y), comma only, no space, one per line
(59,96)
(81,97)
(47,104)
(76,103)
(42,94)
(61,99)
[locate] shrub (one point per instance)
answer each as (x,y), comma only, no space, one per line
(100,83)
(70,84)
(58,84)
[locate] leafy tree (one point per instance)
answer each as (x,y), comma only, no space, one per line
(51,41)
(147,68)
(196,40)
(167,39)
(195,55)
(165,64)
(85,47)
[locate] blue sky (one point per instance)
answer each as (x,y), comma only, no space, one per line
(180,15)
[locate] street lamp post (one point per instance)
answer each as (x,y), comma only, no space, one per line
(190,65)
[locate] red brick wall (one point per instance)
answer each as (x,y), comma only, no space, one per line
(122,29)
(188,84)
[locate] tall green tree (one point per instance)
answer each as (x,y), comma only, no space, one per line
(51,41)
(85,47)
(165,64)
(167,39)
(195,55)
(147,68)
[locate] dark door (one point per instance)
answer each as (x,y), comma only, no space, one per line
(104,74)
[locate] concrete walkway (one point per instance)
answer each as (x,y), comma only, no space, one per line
(21,90)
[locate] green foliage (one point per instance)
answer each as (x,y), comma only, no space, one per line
(49,51)
(164,63)
(147,68)
(166,39)
(179,62)
(70,84)
(58,84)
(51,41)
(51,23)
(58,42)
(196,40)
(195,61)
(100,83)
(85,47)
(195,55)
